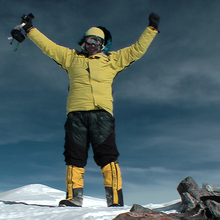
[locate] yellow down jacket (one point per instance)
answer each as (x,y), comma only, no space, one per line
(91,77)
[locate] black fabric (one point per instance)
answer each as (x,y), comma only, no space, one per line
(90,127)
(154,20)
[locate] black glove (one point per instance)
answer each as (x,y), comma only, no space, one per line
(27,19)
(154,20)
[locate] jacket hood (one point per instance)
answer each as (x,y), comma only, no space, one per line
(108,39)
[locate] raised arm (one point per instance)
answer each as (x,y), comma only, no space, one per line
(126,56)
(60,54)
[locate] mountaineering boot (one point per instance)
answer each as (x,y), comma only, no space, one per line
(74,187)
(113,184)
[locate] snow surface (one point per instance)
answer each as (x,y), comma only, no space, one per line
(37,194)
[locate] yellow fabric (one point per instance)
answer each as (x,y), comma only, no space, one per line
(112,178)
(95,32)
(114,184)
(91,77)
(74,179)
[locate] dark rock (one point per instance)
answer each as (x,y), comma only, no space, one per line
(139,212)
(140,209)
(197,204)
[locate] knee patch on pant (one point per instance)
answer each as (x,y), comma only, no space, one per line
(74,179)
(113,184)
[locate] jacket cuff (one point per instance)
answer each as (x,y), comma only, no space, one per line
(154,29)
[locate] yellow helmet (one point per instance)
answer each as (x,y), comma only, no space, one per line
(94,31)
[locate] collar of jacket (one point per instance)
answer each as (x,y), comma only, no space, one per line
(99,55)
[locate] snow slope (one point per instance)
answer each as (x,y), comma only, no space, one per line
(37,194)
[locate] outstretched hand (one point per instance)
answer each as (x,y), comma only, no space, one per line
(154,20)
(27,19)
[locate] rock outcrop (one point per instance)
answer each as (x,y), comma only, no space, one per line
(196,204)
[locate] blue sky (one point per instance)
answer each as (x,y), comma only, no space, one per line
(166,105)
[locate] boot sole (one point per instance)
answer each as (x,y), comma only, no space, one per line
(65,203)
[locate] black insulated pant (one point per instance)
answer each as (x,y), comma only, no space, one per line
(90,127)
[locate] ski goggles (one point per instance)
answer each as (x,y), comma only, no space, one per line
(97,41)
